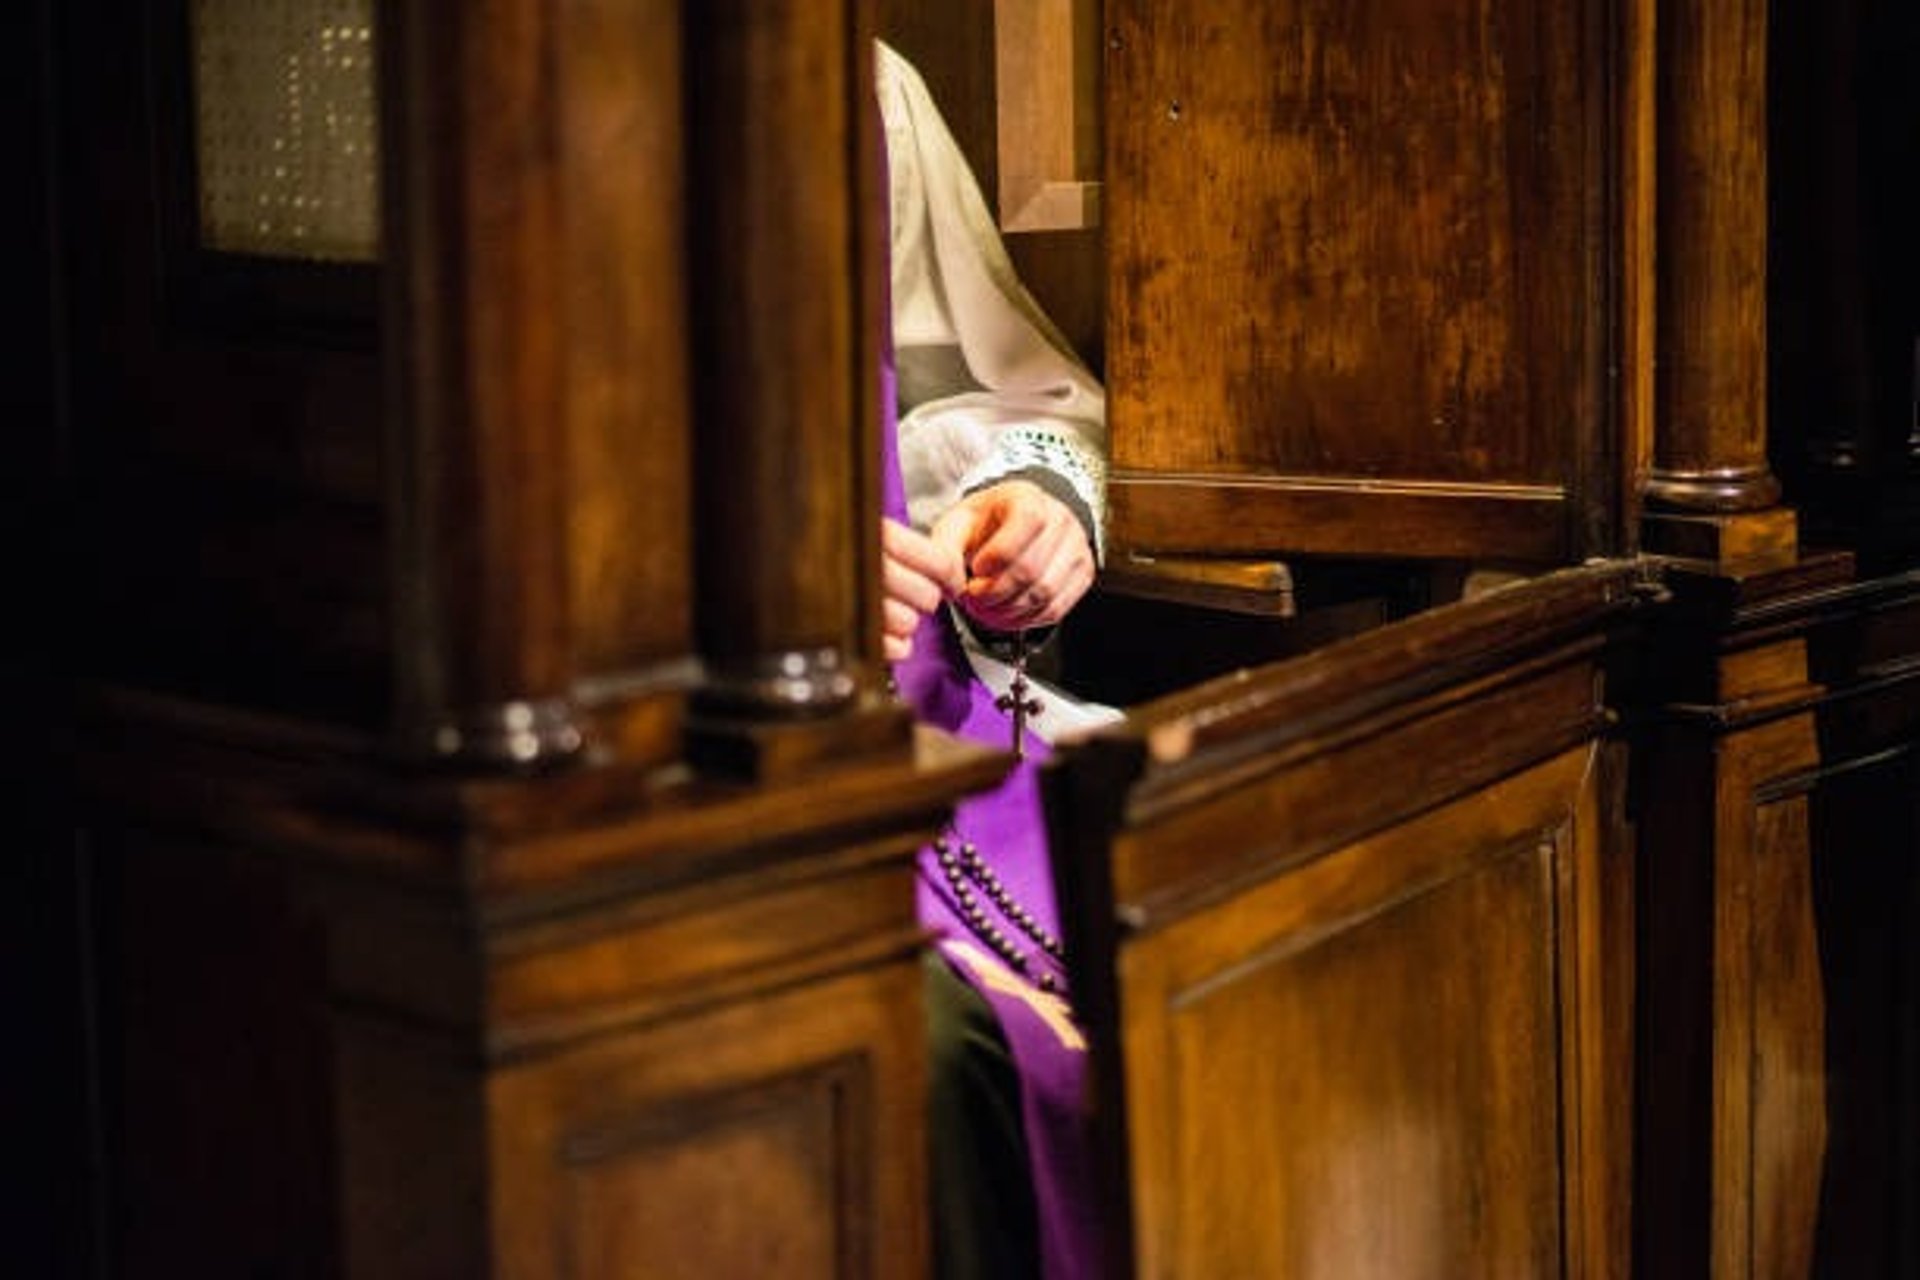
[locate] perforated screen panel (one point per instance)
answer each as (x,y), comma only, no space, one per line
(286,137)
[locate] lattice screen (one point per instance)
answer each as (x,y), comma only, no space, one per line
(287,139)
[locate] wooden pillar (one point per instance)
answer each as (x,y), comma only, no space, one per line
(1846,273)
(482,666)
(1711,493)
(1731,1079)
(1730,1087)
(780,148)
(620,105)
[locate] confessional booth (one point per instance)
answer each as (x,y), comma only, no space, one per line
(478,839)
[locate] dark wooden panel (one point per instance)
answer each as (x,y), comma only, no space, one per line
(1356,244)
(406,1098)
(1765,1055)
(217,404)
(214,1066)
(779,1136)
(1843,271)
(703,945)
(1730,1061)
(1356,1066)
(1789,1087)
(674,1172)
(1866,895)
(1362,923)
(1864,818)
(240,590)
(729,975)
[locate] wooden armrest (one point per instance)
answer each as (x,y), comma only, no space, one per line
(1259,588)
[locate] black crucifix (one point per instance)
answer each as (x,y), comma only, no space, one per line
(1017,698)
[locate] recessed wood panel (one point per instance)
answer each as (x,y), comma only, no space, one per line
(1789,1079)
(1391,1080)
(777,1135)
(670,1186)
(1382,1062)
(1356,244)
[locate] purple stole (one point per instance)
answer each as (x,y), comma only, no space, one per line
(1007,827)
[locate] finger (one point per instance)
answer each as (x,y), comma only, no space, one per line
(1072,586)
(1084,576)
(1047,600)
(899,620)
(923,556)
(1009,539)
(1041,555)
(901,584)
(1015,613)
(896,649)
(959,528)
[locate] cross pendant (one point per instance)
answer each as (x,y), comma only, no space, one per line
(1017,698)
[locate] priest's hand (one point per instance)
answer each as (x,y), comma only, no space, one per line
(1027,557)
(917,574)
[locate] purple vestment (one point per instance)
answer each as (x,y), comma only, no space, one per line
(1006,826)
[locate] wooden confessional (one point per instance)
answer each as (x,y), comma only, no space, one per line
(482,844)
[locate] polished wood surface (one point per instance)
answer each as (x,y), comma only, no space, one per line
(581,1013)
(1368,1027)
(627,377)
(782,142)
(502,964)
(1359,300)
(1732,1080)
(1349,1071)
(481,470)
(1564,930)
(1779,1026)
(1710,451)
(1734,1000)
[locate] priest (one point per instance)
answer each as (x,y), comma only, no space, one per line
(995,468)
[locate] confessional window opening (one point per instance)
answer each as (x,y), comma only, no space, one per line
(286,128)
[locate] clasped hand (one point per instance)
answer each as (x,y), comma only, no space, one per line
(1011,555)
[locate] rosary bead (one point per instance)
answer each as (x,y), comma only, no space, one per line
(966,869)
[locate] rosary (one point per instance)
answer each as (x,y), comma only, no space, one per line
(1025,945)
(968,876)
(1018,699)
